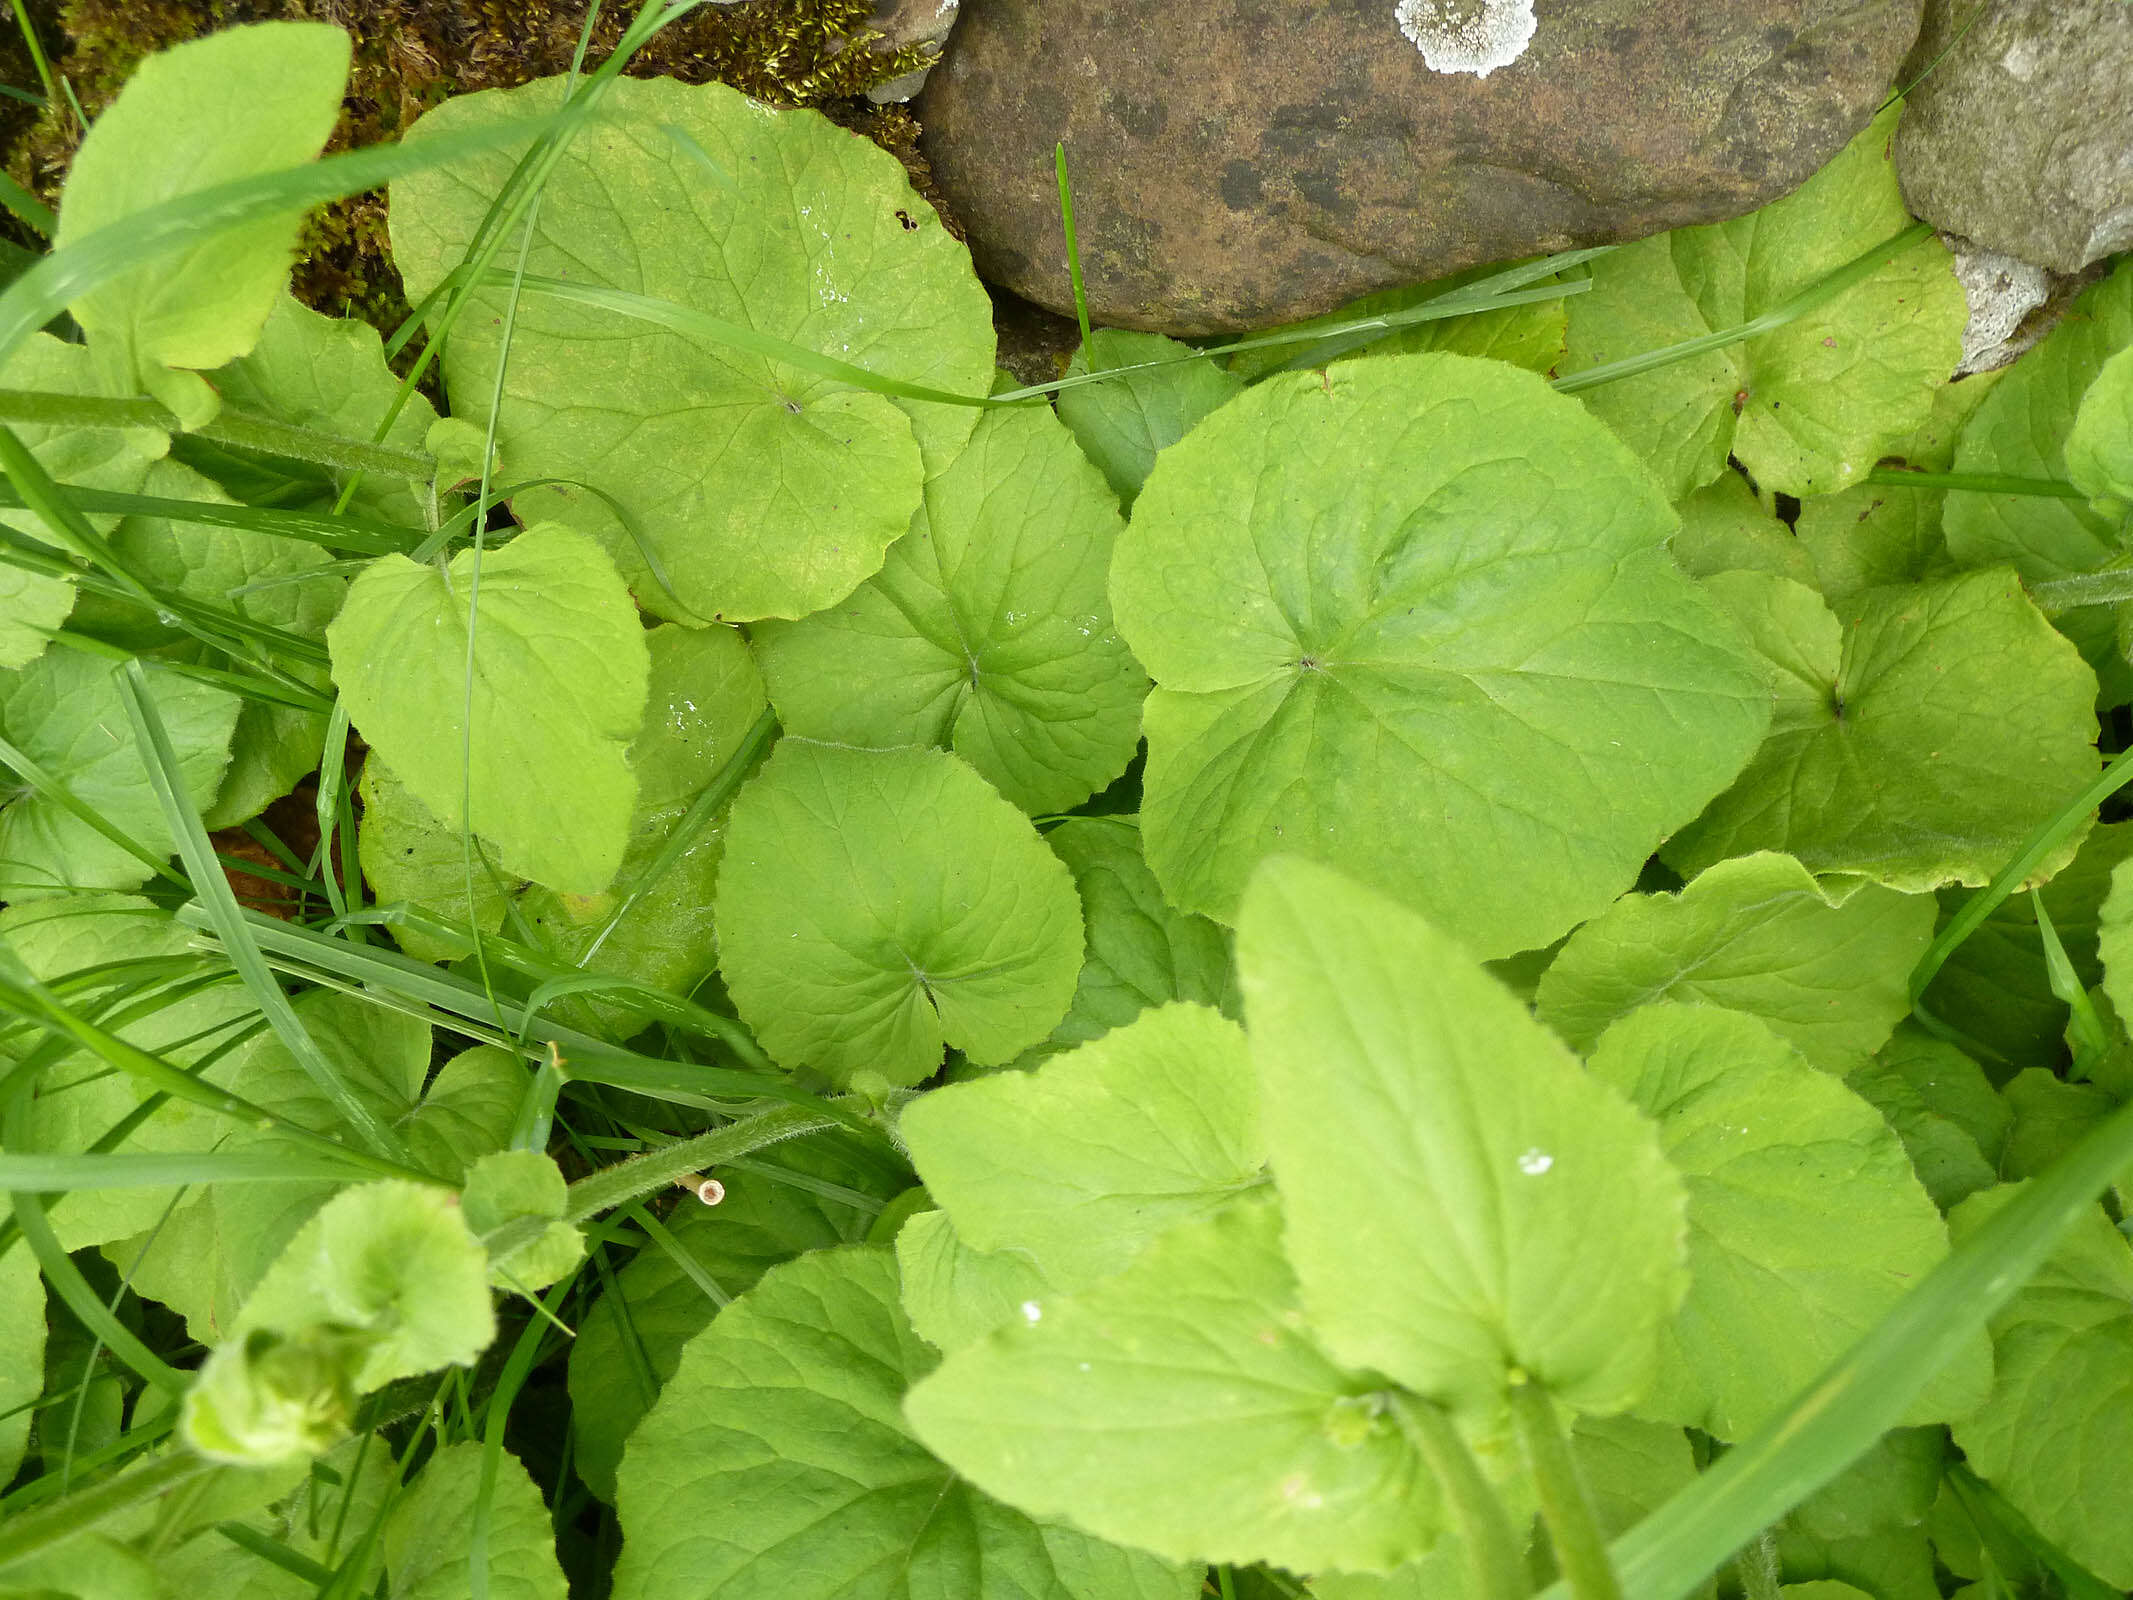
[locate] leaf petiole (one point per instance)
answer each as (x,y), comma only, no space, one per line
(1492,1553)
(1580,1546)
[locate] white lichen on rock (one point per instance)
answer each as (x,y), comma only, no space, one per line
(1476,36)
(2001,292)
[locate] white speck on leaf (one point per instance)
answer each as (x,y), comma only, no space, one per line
(1535,1162)
(1476,36)
(1031,1311)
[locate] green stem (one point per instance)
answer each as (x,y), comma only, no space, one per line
(1492,1553)
(232,427)
(1815,295)
(2056,596)
(1580,1546)
(668,1165)
(1073,250)
(33,1532)
(1757,1565)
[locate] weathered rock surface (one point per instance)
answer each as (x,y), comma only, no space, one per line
(1242,162)
(2020,134)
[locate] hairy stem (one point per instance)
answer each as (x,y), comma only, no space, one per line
(661,1168)
(33,1532)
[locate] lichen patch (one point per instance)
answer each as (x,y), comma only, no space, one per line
(1476,36)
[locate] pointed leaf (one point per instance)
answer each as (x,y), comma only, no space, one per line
(1123,424)
(1463,1200)
(1183,1407)
(426,1536)
(559,671)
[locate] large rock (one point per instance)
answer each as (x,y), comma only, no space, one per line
(2019,134)
(1242,162)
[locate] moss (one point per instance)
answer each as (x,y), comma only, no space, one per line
(411,54)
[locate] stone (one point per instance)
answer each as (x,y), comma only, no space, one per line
(900,24)
(2002,292)
(1239,163)
(2018,134)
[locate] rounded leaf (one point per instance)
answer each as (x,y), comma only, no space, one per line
(877,905)
(1413,617)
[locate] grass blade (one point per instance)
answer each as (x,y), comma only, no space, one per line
(64,276)
(355,535)
(1819,293)
(214,895)
(61,1174)
(1866,1391)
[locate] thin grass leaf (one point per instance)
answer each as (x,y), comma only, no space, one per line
(2085,1031)
(1988,1510)
(66,1281)
(275,1553)
(60,1174)
(1818,293)
(64,276)
(49,1526)
(691,1268)
(215,897)
(1866,1391)
(24,996)
(1073,244)
(361,536)
(1974,483)
(266,435)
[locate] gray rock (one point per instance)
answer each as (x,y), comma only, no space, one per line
(908,22)
(1244,162)
(2020,134)
(2002,293)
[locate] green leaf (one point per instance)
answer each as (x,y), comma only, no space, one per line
(205,1260)
(235,104)
(987,631)
(63,711)
(409,856)
(759,490)
(1724,528)
(705,695)
(1943,1108)
(778,1462)
(1922,734)
(1994,986)
(955,1295)
(1078,1165)
(383,1282)
(1182,1407)
(21,1354)
(875,906)
(1826,968)
(1124,424)
(1879,533)
(1140,951)
(89,458)
(657,1307)
(1892,1486)
(80,1098)
(425,1538)
(1422,587)
(2099,447)
(2054,1435)
(1807,407)
(2023,429)
(513,1203)
(534,756)
(393,1260)
(1806,1222)
(1463,1199)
